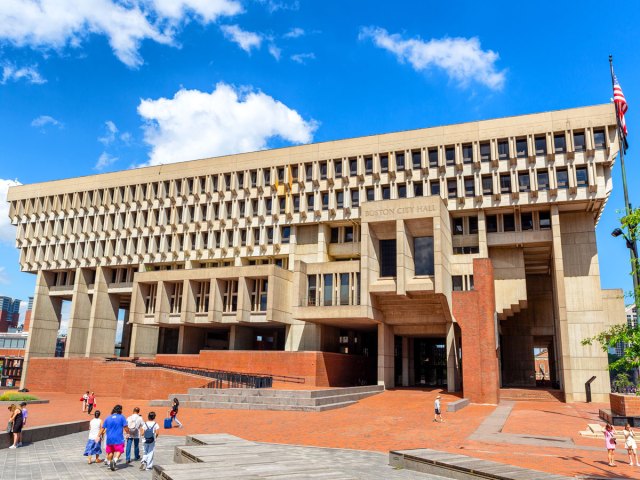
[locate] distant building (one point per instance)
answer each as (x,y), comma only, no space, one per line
(632,320)
(9,313)
(27,316)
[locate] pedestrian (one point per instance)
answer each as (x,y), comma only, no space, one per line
(91,401)
(610,442)
(115,427)
(173,413)
(95,438)
(438,411)
(630,444)
(84,399)
(150,434)
(16,423)
(134,422)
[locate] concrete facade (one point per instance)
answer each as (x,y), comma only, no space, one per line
(445,255)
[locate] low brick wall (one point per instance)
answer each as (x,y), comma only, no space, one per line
(625,405)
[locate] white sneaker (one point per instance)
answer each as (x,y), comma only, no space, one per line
(13,446)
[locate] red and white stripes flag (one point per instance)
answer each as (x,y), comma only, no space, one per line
(621,103)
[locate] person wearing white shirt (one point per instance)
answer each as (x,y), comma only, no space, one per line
(134,422)
(150,435)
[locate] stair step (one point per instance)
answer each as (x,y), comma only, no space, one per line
(261,392)
(261,406)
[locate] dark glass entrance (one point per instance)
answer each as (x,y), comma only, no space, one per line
(430,362)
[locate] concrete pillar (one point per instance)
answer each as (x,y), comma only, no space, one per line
(405,268)
(244,300)
(126,333)
(190,339)
(45,323)
(240,338)
(103,321)
(303,336)
(144,340)
(405,361)
(78,328)
(188,307)
(453,368)
(324,237)
(386,362)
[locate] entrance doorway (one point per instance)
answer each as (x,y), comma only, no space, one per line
(430,362)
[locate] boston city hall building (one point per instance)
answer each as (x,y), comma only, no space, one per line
(440,257)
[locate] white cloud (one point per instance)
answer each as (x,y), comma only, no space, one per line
(303,57)
(274,5)
(245,40)
(462,58)
(105,160)
(56,24)
(195,124)
(14,73)
(275,51)
(4,278)
(110,133)
(294,33)
(44,120)
(7,231)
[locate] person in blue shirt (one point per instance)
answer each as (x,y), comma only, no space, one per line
(115,427)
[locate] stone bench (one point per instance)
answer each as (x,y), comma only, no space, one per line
(45,432)
(457,405)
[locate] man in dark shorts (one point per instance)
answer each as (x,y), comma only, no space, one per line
(115,427)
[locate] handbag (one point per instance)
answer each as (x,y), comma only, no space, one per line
(9,426)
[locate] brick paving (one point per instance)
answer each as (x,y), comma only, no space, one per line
(396,420)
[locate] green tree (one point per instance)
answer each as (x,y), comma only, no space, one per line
(621,382)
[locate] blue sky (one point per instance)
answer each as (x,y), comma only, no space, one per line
(88,87)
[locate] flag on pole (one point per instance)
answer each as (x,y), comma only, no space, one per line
(620,103)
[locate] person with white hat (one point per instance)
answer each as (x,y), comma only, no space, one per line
(438,412)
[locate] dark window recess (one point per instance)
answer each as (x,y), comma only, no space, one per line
(423,255)
(270,235)
(353,166)
(296,203)
(310,201)
(335,235)
(402,190)
(450,155)
(524,182)
(487,185)
(598,139)
(400,161)
(522,149)
(384,163)
(294,174)
(418,189)
(308,172)
(457,283)
(280,175)
(433,157)
(416,159)
(492,223)
(543,180)
(541,145)
(545,220)
(282,204)
(563,178)
(371,194)
(388,258)
(465,250)
(254,178)
(368,164)
(579,142)
(469,187)
(452,188)
(467,154)
(337,166)
(582,178)
(268,203)
(386,192)
(458,228)
(286,234)
(339,199)
(485,152)
(323,170)
(509,222)
(473,225)
(560,143)
(355,198)
(526,220)
(503,150)
(348,234)
(435,187)
(505,183)
(325,201)
(267,177)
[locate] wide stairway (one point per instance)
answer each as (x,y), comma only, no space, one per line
(531,395)
(270,399)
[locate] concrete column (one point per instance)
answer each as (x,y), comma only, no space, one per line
(188,307)
(240,338)
(405,268)
(244,300)
(303,336)
(324,236)
(144,340)
(190,339)
(103,321)
(405,361)
(45,323)
(386,362)
(78,328)
(126,333)
(453,368)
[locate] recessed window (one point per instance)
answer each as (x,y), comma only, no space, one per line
(545,220)
(563,178)
(416,160)
(355,197)
(543,180)
(450,155)
(308,171)
(353,166)
(335,235)
(294,173)
(339,199)
(467,153)
(368,164)
(492,223)
(522,149)
(434,187)
(559,143)
(371,194)
(452,188)
(579,142)
(457,284)
(296,203)
(503,149)
(386,192)
(469,187)
(541,145)
(599,139)
(473,225)
(582,178)
(524,182)
(509,222)
(466,250)
(254,177)
(338,168)
(433,157)
(505,183)
(323,170)
(402,190)
(485,152)
(269,235)
(310,201)
(388,258)
(384,163)
(487,185)
(286,234)
(418,189)
(400,161)
(268,204)
(325,200)
(348,234)
(267,176)
(526,220)
(458,226)
(423,255)
(281,175)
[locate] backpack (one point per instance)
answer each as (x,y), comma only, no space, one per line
(149,433)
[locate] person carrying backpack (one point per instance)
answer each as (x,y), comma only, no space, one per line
(150,434)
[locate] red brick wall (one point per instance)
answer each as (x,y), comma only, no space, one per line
(12,352)
(474,312)
(626,405)
(77,375)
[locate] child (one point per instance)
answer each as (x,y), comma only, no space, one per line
(93,443)
(150,434)
(630,444)
(437,410)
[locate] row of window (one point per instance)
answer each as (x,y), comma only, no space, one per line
(422,257)
(468,225)
(329,289)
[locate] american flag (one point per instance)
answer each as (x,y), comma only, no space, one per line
(621,103)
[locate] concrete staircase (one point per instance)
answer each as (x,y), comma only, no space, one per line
(531,395)
(269,399)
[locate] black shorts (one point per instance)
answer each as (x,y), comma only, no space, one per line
(437,411)
(17,425)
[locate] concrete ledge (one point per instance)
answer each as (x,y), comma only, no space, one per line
(45,432)
(28,402)
(458,405)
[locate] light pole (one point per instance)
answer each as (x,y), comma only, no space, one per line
(633,248)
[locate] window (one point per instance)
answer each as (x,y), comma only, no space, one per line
(582,178)
(543,180)
(450,155)
(599,139)
(458,226)
(337,167)
(323,170)
(452,188)
(485,152)
(559,143)
(399,161)
(335,235)
(269,235)
(267,176)
(416,159)
(487,185)
(282,204)
(492,223)
(325,200)
(268,205)
(243,237)
(526,221)
(386,192)
(259,295)
(355,197)
(310,199)
(371,194)
(524,181)
(294,173)
(563,178)
(348,234)
(286,234)
(296,203)
(433,157)
(545,220)
(457,283)
(230,296)
(466,250)
(353,166)
(423,255)
(579,141)
(467,153)
(339,199)
(384,163)
(503,149)
(509,222)
(254,177)
(473,225)
(328,289)
(541,145)
(344,289)
(505,183)
(368,164)
(469,187)
(434,187)
(311,290)
(308,171)
(521,148)
(402,190)
(388,258)
(418,189)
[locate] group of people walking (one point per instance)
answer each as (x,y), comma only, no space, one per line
(629,444)
(88,402)
(17,421)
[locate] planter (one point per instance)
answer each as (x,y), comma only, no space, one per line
(625,405)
